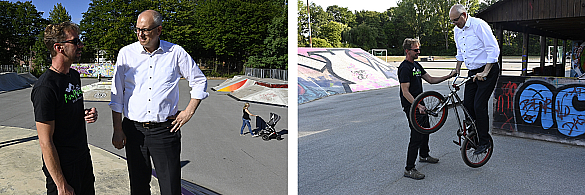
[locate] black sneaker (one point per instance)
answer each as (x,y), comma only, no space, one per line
(429,159)
(481,149)
(414,174)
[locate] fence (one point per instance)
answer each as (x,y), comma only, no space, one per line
(13,68)
(267,73)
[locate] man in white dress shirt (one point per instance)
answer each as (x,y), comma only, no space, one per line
(478,49)
(145,90)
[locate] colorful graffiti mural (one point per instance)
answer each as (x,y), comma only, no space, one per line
(578,60)
(325,71)
(93,70)
(543,106)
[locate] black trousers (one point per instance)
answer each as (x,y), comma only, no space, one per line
(476,97)
(418,141)
(79,176)
(163,146)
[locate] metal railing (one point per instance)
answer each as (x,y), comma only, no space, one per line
(13,68)
(267,73)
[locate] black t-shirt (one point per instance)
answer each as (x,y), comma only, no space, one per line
(59,97)
(245,115)
(409,72)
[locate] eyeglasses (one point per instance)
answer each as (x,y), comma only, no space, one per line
(415,50)
(75,41)
(456,19)
(144,30)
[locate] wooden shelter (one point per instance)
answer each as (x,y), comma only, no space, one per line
(557,19)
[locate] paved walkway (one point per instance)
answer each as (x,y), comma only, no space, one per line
(21,162)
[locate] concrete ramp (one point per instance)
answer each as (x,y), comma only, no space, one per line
(252,89)
(261,94)
(238,82)
(12,81)
(327,71)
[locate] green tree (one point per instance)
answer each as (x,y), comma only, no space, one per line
(331,32)
(231,38)
(21,23)
(59,14)
(342,15)
(275,56)
(107,25)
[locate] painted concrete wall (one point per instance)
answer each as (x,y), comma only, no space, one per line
(92,70)
(328,71)
(549,108)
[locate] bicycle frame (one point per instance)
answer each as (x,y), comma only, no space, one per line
(455,100)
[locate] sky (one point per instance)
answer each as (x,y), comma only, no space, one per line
(73,7)
(357,5)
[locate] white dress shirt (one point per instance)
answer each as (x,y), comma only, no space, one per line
(145,86)
(476,45)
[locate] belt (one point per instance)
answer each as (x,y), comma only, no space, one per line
(152,125)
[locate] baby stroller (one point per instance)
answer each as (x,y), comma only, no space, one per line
(269,132)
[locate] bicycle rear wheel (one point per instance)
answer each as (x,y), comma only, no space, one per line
(468,148)
(433,118)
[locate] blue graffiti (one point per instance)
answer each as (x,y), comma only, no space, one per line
(563,107)
(534,100)
(570,116)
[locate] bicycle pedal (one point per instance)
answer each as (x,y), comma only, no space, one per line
(456,143)
(459,132)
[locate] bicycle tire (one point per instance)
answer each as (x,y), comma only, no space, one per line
(474,160)
(426,123)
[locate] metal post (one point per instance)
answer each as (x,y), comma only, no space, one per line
(524,53)
(542,53)
(555,53)
(500,34)
(309,14)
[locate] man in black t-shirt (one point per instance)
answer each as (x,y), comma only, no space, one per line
(60,116)
(409,76)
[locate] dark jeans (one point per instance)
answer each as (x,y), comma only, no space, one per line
(476,97)
(79,176)
(418,141)
(164,147)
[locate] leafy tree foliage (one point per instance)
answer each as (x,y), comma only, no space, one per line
(275,56)
(20,23)
(59,14)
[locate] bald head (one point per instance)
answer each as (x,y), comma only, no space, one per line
(457,10)
(151,16)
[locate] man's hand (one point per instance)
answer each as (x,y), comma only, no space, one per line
(119,139)
(480,76)
(179,120)
(66,190)
(91,115)
(422,109)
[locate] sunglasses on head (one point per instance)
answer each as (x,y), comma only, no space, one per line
(75,41)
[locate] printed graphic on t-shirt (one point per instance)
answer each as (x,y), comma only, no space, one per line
(416,72)
(73,93)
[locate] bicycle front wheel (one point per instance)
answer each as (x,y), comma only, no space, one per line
(468,148)
(431,119)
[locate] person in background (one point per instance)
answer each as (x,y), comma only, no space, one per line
(246,120)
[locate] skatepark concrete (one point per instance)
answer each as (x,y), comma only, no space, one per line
(214,158)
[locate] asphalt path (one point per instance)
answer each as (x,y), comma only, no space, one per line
(356,144)
(213,154)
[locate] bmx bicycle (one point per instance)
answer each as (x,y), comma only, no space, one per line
(428,114)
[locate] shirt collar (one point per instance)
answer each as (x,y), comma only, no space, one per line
(162,46)
(468,22)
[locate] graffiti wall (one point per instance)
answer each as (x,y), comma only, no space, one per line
(93,70)
(550,107)
(323,72)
